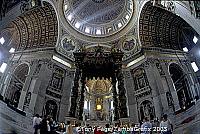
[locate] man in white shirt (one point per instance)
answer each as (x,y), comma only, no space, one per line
(36,123)
(166,125)
(146,127)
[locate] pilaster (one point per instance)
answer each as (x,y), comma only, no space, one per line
(132,104)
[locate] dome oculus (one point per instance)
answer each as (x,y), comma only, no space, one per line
(98,18)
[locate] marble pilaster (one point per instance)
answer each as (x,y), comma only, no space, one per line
(150,71)
(132,104)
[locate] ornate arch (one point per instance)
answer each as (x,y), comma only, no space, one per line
(17,82)
(181,84)
(161,28)
(37,28)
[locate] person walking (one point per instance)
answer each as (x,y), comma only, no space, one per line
(166,125)
(69,129)
(36,123)
(44,126)
(146,127)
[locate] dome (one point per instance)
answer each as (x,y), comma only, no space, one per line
(98,18)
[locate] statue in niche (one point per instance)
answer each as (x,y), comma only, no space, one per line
(98,114)
(16,98)
(147,109)
(169,99)
(27,99)
(55,82)
(141,82)
(51,109)
(140,78)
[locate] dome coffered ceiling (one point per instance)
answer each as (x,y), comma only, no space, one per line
(97,21)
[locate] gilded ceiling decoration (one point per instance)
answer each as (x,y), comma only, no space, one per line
(99,87)
(159,28)
(38,28)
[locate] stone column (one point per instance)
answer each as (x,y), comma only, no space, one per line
(194,80)
(81,102)
(132,104)
(26,87)
(115,99)
(39,83)
(5,83)
(74,94)
(6,78)
(122,94)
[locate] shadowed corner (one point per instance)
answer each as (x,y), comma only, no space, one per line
(13,131)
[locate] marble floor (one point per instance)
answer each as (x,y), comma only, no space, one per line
(12,122)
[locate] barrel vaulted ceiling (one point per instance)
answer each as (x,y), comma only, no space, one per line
(160,28)
(37,28)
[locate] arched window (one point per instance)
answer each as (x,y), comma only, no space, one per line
(17,83)
(181,85)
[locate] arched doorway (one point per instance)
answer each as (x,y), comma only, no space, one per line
(181,85)
(16,84)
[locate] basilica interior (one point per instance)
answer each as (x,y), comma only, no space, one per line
(99,62)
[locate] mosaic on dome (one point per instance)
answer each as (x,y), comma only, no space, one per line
(68,44)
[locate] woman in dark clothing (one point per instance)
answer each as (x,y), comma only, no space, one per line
(43,127)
